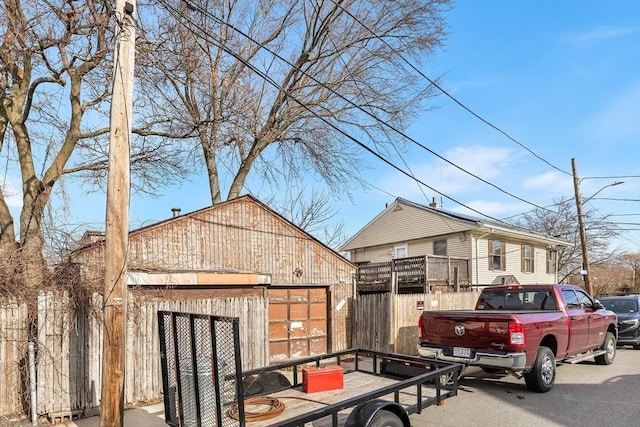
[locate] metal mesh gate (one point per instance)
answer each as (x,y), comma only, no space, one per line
(201,369)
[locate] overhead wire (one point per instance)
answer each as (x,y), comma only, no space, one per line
(199,9)
(276,85)
(448,95)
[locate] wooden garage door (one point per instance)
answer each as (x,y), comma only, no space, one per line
(297,323)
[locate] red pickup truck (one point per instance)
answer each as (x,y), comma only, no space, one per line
(523,330)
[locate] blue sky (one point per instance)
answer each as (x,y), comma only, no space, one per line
(561,77)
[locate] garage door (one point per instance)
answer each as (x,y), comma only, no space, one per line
(297,323)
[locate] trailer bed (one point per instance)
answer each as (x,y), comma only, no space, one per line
(204,385)
(298,403)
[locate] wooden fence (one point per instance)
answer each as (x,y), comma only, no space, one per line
(13,353)
(69,359)
(69,364)
(389,323)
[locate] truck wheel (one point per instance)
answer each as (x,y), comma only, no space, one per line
(609,345)
(543,373)
(385,419)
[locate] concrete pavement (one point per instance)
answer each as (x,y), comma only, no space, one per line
(146,416)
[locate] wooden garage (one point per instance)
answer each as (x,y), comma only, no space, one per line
(242,247)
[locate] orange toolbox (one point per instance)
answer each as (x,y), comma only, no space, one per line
(330,377)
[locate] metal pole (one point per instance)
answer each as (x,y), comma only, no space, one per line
(32,384)
(583,234)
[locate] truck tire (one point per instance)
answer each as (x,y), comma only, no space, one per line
(385,419)
(609,345)
(543,373)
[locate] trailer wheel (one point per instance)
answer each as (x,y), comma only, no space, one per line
(543,373)
(385,419)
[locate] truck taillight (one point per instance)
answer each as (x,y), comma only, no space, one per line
(516,333)
(420,328)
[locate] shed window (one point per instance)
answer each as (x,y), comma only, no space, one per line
(440,247)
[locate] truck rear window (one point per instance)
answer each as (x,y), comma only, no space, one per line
(516,299)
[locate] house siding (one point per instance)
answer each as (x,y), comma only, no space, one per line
(400,222)
(483,276)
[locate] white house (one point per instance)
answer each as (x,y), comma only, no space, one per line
(426,247)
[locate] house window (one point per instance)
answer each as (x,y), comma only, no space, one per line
(400,251)
(526,256)
(552,255)
(497,255)
(440,247)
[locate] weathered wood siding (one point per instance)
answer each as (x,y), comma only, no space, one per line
(242,235)
(70,347)
(13,352)
(388,322)
(341,309)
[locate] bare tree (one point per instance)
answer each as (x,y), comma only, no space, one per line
(311,210)
(266,87)
(632,261)
(55,67)
(561,221)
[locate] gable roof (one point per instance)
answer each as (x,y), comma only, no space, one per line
(462,223)
(96,238)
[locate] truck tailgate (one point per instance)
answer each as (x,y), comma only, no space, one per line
(486,329)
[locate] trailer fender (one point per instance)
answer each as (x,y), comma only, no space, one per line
(365,413)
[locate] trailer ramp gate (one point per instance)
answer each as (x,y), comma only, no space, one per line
(201,364)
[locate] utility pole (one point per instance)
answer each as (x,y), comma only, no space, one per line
(583,233)
(117,220)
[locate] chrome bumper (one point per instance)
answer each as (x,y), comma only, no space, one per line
(511,361)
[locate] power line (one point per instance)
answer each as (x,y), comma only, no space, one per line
(447,94)
(269,80)
(199,9)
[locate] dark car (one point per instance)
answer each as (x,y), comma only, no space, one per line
(627,307)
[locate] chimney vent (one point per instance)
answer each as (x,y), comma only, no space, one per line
(176,211)
(434,204)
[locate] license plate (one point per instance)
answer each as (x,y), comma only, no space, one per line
(462,352)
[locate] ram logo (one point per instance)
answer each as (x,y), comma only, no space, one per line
(459,330)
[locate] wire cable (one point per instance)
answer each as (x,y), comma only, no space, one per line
(454,99)
(199,9)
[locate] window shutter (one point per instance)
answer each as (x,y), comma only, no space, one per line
(522,258)
(533,258)
(503,256)
(490,252)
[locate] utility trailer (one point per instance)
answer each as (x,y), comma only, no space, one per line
(204,385)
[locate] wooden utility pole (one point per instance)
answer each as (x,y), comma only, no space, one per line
(117,220)
(583,234)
